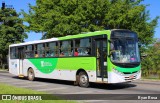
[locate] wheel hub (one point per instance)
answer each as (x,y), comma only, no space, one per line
(83,79)
(30,75)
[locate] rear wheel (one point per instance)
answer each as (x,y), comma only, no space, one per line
(83,79)
(31,75)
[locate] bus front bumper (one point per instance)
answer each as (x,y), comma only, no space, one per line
(117,77)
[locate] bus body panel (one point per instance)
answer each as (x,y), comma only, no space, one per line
(14,66)
(65,68)
(58,71)
(117,77)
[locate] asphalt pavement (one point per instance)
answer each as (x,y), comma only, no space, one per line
(121,92)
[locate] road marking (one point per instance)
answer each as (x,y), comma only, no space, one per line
(48,89)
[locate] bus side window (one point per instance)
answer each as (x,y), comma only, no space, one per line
(84,46)
(41,50)
(29,53)
(47,50)
(66,48)
(76,52)
(13,53)
(36,54)
(47,54)
(51,50)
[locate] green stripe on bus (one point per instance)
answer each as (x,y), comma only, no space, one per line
(96,33)
(44,65)
(47,65)
(130,70)
(75,63)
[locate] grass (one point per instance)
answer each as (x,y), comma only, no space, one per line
(3,69)
(7,89)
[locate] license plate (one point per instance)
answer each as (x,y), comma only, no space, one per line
(131,77)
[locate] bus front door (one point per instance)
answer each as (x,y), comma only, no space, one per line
(21,58)
(101,55)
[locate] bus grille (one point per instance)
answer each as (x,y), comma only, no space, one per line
(130,78)
(130,72)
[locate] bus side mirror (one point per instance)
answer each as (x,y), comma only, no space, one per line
(139,44)
(109,55)
(111,52)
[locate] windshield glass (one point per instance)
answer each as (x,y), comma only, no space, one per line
(124,50)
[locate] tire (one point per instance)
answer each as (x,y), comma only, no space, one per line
(31,75)
(83,80)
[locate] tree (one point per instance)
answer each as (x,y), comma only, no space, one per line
(11,31)
(68,17)
(151,61)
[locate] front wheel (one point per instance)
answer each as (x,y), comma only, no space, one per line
(31,75)
(83,79)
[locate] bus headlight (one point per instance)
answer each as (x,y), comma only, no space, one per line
(117,72)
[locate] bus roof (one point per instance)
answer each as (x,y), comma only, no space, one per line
(34,42)
(85,34)
(65,37)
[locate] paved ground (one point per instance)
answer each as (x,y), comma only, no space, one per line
(66,87)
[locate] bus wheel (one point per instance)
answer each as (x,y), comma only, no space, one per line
(31,75)
(83,79)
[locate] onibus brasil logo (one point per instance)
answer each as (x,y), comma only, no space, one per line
(21,97)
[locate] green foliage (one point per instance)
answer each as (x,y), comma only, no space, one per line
(151,60)
(68,17)
(11,30)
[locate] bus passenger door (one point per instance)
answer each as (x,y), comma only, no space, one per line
(21,58)
(101,55)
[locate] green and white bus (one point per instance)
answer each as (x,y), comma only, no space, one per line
(109,56)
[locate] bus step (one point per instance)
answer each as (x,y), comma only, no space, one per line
(100,80)
(21,75)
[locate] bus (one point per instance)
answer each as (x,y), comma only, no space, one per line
(108,56)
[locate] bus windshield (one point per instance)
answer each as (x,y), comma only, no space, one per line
(124,48)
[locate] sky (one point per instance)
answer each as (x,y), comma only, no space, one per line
(18,5)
